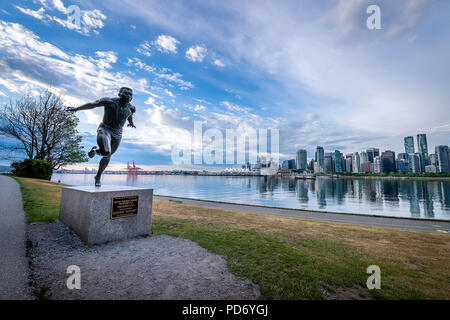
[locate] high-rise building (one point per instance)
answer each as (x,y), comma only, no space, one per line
(372,153)
(432,159)
(409,145)
(348,162)
(356,164)
(415,165)
(288,164)
(363,157)
(388,159)
(311,165)
(328,162)
(365,166)
(320,157)
(443,158)
(302,161)
(402,165)
(422,145)
(338,161)
(403,156)
(317,168)
(422,164)
(377,165)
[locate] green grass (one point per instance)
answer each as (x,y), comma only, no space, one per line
(294,269)
(290,258)
(41,199)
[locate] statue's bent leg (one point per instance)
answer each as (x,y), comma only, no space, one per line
(115,144)
(102,166)
(104,143)
(104,150)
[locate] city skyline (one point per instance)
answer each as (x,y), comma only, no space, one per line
(373,161)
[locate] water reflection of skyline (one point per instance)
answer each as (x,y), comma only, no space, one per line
(390,197)
(387,193)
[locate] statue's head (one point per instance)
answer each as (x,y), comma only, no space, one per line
(126,94)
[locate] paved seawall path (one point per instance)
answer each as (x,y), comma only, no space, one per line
(437,226)
(13,261)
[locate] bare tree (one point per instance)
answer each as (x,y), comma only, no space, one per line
(43,129)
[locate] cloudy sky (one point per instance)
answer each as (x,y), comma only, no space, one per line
(311,69)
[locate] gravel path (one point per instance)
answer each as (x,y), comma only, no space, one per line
(155,267)
(13,263)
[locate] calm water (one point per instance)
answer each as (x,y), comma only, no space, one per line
(400,198)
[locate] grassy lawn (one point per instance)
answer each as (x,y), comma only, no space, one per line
(291,258)
(41,199)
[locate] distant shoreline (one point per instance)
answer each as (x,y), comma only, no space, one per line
(289,176)
(384,177)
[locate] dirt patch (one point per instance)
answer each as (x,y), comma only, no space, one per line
(155,267)
(347,293)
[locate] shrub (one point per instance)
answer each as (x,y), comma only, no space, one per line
(33,168)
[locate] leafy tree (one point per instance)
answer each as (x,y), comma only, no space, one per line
(33,168)
(44,129)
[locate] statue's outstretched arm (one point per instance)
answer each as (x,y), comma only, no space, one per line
(130,118)
(90,105)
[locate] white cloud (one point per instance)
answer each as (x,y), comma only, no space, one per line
(234,107)
(150,101)
(140,65)
(160,128)
(59,5)
(145,48)
(170,94)
(106,58)
(37,14)
(360,83)
(219,63)
(161,73)
(176,78)
(196,53)
(196,108)
(29,61)
(165,43)
(90,20)
(324,59)
(65,23)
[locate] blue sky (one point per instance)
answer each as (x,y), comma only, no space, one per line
(311,69)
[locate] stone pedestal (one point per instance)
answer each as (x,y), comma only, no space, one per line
(107,213)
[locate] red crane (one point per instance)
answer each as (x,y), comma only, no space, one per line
(132,169)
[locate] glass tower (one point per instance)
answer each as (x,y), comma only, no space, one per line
(423,146)
(443,158)
(388,160)
(320,156)
(409,145)
(301,159)
(372,153)
(338,161)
